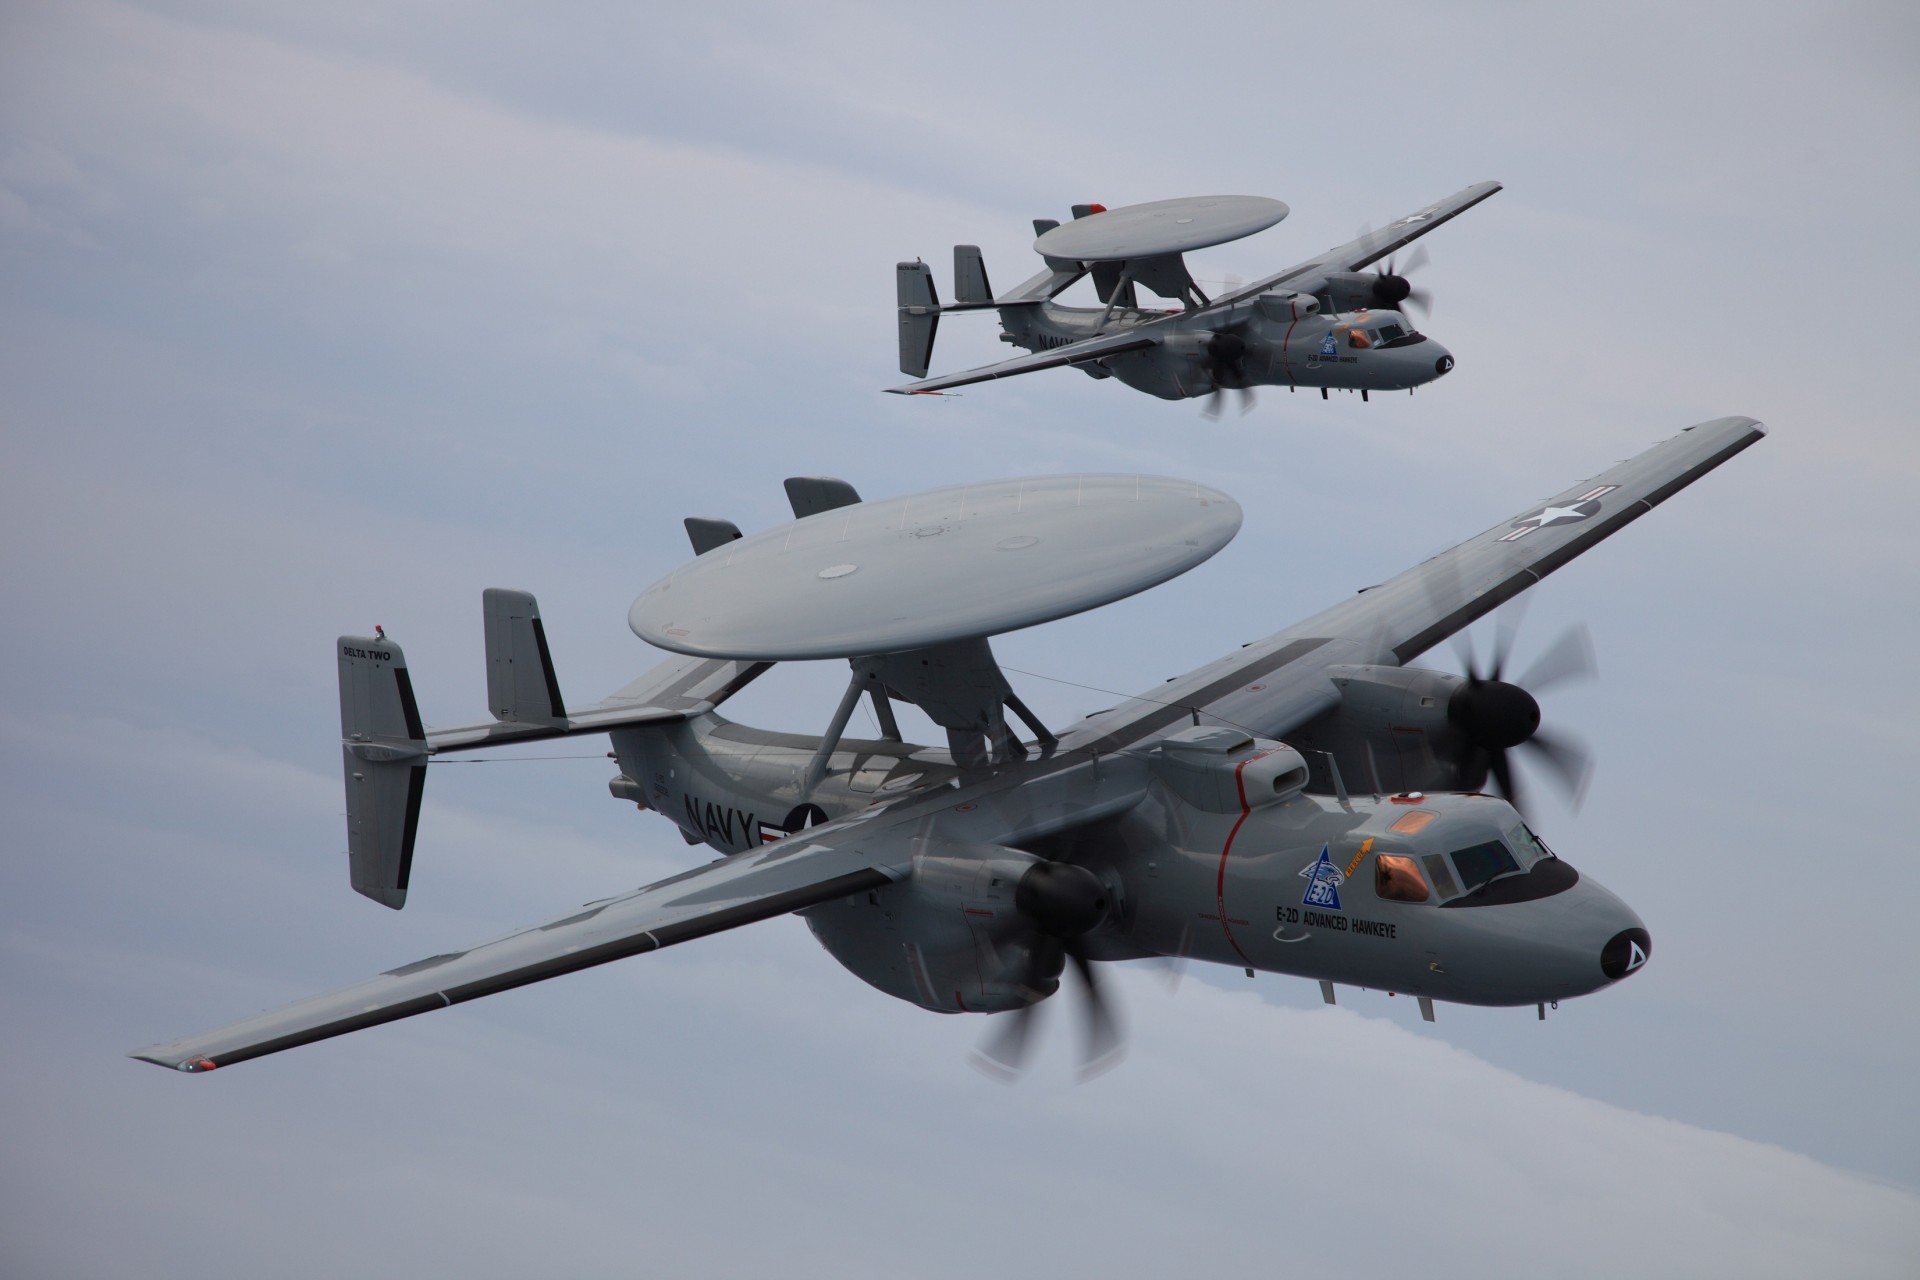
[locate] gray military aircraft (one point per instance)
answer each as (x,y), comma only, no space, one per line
(1306,805)
(1327,323)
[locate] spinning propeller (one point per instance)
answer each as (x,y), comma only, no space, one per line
(1497,717)
(1390,284)
(1060,903)
(1392,288)
(1225,361)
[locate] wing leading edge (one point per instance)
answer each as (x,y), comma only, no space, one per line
(743,889)
(1363,252)
(1277,684)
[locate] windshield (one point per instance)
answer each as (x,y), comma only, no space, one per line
(1529,846)
(1480,863)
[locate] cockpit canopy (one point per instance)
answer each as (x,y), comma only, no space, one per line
(1416,876)
(1376,330)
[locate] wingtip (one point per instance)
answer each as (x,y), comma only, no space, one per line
(173,1062)
(1734,420)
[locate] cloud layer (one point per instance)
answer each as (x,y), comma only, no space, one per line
(316,318)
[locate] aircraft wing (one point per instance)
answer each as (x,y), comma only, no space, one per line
(742,889)
(1277,684)
(1368,249)
(1106,344)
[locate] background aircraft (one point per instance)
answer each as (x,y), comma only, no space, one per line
(1177,824)
(316,321)
(1327,322)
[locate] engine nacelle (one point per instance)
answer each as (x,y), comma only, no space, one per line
(948,938)
(1355,291)
(1225,770)
(1187,344)
(1283,306)
(1390,732)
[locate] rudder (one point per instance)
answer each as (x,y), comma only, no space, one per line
(919,316)
(383,752)
(521,686)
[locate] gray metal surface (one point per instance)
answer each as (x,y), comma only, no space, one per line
(1276,340)
(930,568)
(904,865)
(751,886)
(1160,227)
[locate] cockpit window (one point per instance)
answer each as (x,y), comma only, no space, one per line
(1388,332)
(1359,338)
(1442,876)
(1480,863)
(1397,879)
(1529,846)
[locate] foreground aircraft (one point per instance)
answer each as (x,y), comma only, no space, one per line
(1327,323)
(1307,804)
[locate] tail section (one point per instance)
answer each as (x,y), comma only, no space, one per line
(384,752)
(970,287)
(919,316)
(521,686)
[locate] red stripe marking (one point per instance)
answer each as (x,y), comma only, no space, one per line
(1220,881)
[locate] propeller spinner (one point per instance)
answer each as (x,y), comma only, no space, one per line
(1060,903)
(1225,361)
(1391,287)
(1497,717)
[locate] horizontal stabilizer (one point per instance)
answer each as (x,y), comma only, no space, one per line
(384,755)
(521,685)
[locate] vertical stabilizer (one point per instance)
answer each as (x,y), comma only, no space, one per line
(919,316)
(383,749)
(970,287)
(521,686)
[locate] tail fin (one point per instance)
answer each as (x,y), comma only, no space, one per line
(521,687)
(383,750)
(919,316)
(970,287)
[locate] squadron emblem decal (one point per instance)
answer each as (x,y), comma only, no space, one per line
(1587,504)
(1323,882)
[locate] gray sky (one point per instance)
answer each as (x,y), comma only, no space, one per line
(313,317)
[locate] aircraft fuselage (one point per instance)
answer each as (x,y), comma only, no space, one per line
(1295,887)
(1370,350)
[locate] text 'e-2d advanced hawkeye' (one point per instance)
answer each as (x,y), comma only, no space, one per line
(1328,322)
(1308,804)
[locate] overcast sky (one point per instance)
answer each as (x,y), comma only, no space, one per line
(313,317)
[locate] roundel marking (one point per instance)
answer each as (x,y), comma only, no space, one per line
(1547,517)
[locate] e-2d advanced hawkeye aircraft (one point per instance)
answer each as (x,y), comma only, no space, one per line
(1307,804)
(1328,322)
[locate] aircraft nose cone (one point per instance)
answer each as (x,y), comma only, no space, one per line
(1625,952)
(1444,364)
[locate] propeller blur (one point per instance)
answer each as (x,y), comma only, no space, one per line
(1327,323)
(1308,804)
